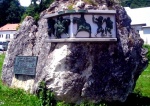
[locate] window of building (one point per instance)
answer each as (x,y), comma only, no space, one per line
(7,36)
(1,35)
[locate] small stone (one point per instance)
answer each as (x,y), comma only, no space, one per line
(80,4)
(87,6)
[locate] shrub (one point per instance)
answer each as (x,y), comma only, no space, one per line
(148,53)
(46,96)
(70,7)
(91,2)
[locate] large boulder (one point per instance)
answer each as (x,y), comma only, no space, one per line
(79,71)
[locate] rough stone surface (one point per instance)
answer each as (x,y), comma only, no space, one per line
(79,71)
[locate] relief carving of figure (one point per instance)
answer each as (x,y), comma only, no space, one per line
(109,26)
(82,25)
(99,21)
(51,29)
(61,26)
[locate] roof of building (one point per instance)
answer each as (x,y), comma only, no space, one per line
(9,27)
(145,26)
(139,15)
(141,24)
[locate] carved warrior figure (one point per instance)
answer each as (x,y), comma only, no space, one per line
(109,25)
(82,25)
(61,26)
(99,21)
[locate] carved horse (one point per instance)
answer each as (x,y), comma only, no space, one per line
(82,25)
(61,26)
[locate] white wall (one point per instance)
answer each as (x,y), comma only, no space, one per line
(145,35)
(137,27)
(4,33)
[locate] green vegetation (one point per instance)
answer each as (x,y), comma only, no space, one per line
(91,2)
(35,9)
(143,83)
(44,97)
(135,3)
(17,97)
(148,53)
(10,11)
(70,7)
(2,56)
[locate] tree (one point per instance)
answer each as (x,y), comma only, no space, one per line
(10,12)
(36,7)
(136,3)
(14,12)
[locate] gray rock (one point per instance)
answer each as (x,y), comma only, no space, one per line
(22,44)
(53,5)
(89,6)
(79,71)
(80,4)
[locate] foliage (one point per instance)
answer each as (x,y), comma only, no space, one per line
(17,97)
(148,53)
(2,56)
(143,83)
(10,12)
(70,7)
(32,10)
(35,9)
(86,103)
(64,104)
(91,2)
(46,96)
(136,3)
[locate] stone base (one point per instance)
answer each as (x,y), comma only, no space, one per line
(83,40)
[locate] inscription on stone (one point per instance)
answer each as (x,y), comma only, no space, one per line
(25,65)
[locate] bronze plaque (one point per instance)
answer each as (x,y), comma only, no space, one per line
(25,65)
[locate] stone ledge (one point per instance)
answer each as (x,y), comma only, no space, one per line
(82,40)
(78,12)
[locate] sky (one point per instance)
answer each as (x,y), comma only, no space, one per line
(25,2)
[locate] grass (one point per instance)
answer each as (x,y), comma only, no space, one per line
(18,97)
(2,56)
(143,83)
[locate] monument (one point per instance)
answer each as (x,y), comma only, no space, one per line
(91,54)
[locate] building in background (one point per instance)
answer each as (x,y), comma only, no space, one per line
(140,21)
(7,34)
